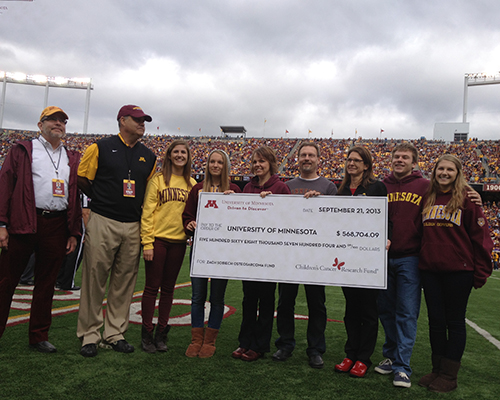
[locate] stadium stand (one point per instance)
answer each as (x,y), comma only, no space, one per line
(481,159)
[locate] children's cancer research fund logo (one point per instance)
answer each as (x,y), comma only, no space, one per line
(337,264)
(211,204)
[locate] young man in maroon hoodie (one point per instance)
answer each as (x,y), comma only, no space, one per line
(399,305)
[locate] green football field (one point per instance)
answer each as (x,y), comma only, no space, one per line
(27,374)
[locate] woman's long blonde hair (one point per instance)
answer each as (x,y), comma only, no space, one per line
(224,176)
(458,189)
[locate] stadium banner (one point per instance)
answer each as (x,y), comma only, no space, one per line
(325,240)
(491,187)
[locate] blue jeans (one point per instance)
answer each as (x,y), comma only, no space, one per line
(399,307)
(199,296)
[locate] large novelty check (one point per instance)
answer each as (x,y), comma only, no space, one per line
(325,240)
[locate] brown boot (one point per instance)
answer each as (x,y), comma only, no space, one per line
(208,348)
(447,379)
(147,341)
(161,338)
(426,380)
(196,342)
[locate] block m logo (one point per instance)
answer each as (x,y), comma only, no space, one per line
(211,203)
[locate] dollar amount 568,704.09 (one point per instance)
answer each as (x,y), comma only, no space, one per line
(358,234)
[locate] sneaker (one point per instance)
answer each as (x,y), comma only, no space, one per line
(121,346)
(384,367)
(401,380)
(89,350)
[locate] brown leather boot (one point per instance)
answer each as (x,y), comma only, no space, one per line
(426,380)
(161,337)
(208,348)
(447,379)
(196,342)
(147,341)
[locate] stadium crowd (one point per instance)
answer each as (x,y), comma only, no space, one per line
(492,213)
(491,156)
(480,159)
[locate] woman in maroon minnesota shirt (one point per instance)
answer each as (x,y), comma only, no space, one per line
(256,327)
(455,256)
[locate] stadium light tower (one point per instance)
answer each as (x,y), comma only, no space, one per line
(46,81)
(476,80)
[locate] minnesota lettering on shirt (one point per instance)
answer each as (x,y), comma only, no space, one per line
(437,212)
(173,194)
(413,198)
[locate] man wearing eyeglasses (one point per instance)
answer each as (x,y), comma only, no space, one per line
(309,184)
(39,212)
(113,173)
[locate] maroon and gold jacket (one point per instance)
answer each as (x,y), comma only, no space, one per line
(456,242)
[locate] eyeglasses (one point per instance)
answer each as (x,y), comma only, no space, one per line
(354,160)
(139,120)
(55,118)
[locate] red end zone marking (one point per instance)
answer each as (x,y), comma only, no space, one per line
(22,302)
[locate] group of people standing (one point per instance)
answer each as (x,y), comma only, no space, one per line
(438,235)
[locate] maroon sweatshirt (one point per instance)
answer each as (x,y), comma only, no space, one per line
(273,185)
(457,242)
(405,200)
(191,208)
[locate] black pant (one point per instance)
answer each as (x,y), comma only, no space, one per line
(446,295)
(66,277)
(256,330)
(29,271)
(316,325)
(361,323)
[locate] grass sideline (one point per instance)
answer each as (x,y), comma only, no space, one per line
(27,374)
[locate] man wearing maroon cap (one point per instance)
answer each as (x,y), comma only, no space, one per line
(113,173)
(39,212)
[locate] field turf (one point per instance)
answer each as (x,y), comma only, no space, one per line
(27,374)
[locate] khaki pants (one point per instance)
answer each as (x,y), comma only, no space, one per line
(112,249)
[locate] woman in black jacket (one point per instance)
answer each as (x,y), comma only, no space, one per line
(361,313)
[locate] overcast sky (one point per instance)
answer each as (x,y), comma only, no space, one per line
(269,65)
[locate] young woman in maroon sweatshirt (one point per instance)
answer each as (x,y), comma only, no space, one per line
(203,340)
(256,328)
(455,256)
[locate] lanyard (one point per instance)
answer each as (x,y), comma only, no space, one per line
(56,167)
(128,157)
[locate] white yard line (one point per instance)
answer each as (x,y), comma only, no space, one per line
(483,333)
